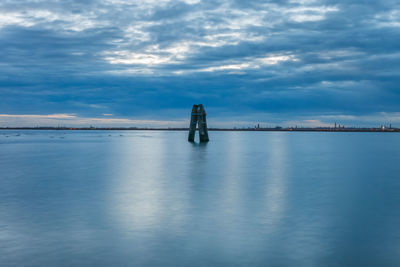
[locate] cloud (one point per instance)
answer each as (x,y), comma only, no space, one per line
(68,120)
(293,59)
(50,116)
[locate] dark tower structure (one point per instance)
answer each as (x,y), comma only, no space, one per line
(193,123)
(198,118)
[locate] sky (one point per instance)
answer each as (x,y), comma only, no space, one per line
(144,63)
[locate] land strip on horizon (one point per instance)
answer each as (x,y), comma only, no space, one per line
(275,129)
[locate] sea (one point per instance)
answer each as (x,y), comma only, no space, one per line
(151,198)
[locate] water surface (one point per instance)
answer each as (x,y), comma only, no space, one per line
(150,198)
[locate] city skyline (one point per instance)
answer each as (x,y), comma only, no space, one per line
(144,64)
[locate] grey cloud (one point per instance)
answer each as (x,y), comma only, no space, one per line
(337,56)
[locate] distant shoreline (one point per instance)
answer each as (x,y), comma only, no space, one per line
(276,129)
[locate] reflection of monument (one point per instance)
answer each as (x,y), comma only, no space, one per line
(198,117)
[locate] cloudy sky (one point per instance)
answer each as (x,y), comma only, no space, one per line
(146,62)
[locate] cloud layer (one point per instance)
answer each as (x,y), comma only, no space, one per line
(246,61)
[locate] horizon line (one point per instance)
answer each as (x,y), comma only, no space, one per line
(255,129)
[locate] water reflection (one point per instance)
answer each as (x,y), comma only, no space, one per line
(231,174)
(276,169)
(136,199)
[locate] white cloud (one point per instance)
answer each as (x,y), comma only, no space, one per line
(151,55)
(227,67)
(33,116)
(306,123)
(275,59)
(49,19)
(132,58)
(388,19)
(245,64)
(71,120)
(14,18)
(309,13)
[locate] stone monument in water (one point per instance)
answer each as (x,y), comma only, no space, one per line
(198,117)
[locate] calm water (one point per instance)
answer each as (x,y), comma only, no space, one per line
(143,198)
